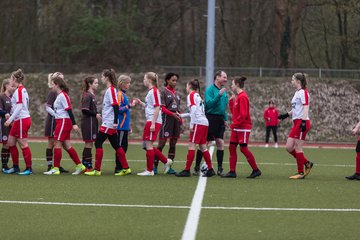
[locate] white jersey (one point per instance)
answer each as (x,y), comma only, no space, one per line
(300,99)
(20,96)
(196,108)
(61,105)
(152,100)
(110,100)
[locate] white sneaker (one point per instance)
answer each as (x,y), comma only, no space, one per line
(79,169)
(266,145)
(146,173)
(53,171)
(168,166)
(276,145)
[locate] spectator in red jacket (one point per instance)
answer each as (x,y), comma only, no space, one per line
(271,120)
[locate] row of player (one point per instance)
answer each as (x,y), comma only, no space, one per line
(208,120)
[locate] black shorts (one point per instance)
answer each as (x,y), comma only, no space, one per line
(49,126)
(170,127)
(89,129)
(216,127)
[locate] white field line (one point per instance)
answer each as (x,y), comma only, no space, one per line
(239,163)
(193,218)
(181,207)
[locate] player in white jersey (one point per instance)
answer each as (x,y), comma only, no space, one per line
(153,124)
(20,117)
(65,123)
(110,112)
(301,125)
(198,129)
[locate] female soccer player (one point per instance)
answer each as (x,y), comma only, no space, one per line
(301,125)
(356,175)
(50,121)
(7,91)
(125,106)
(152,125)
(198,129)
(89,119)
(109,115)
(240,129)
(271,121)
(20,117)
(170,108)
(65,122)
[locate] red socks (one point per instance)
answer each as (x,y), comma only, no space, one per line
(189,159)
(74,156)
(122,157)
(150,156)
(207,159)
(27,157)
(159,155)
(98,158)
(300,160)
(358,162)
(250,157)
(233,157)
(57,157)
(14,155)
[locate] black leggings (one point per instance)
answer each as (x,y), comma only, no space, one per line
(113,139)
(274,130)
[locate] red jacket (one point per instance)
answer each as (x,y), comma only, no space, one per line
(271,116)
(240,109)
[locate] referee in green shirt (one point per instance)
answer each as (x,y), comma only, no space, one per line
(216,101)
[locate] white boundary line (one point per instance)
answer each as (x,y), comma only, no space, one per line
(182,207)
(193,218)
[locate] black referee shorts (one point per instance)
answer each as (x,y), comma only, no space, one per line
(216,127)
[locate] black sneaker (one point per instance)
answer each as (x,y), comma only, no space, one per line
(210,173)
(62,170)
(355,176)
(254,174)
(230,174)
(308,166)
(183,173)
(220,171)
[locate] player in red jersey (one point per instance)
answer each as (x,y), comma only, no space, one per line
(356,175)
(199,125)
(240,129)
(271,121)
(301,125)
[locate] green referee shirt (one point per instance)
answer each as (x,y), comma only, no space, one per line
(214,103)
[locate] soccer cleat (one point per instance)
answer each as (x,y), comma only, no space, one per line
(168,166)
(27,171)
(53,171)
(93,173)
(4,168)
(355,176)
(62,170)
(230,174)
(146,173)
(220,171)
(308,166)
(12,170)
(117,170)
(298,176)
(254,174)
(171,171)
(155,170)
(210,173)
(79,169)
(183,173)
(123,172)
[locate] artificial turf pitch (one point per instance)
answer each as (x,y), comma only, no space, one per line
(132,207)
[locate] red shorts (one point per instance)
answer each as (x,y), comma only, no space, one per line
(63,129)
(295,131)
(148,135)
(240,136)
(108,131)
(199,134)
(20,128)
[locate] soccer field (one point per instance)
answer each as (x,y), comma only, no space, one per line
(323,206)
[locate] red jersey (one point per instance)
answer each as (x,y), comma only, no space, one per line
(271,116)
(240,109)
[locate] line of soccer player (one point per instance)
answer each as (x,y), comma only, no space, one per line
(208,120)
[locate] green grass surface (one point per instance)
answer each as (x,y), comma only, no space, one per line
(325,187)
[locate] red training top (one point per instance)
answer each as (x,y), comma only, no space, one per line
(240,109)
(271,116)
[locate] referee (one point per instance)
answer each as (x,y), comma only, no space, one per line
(216,101)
